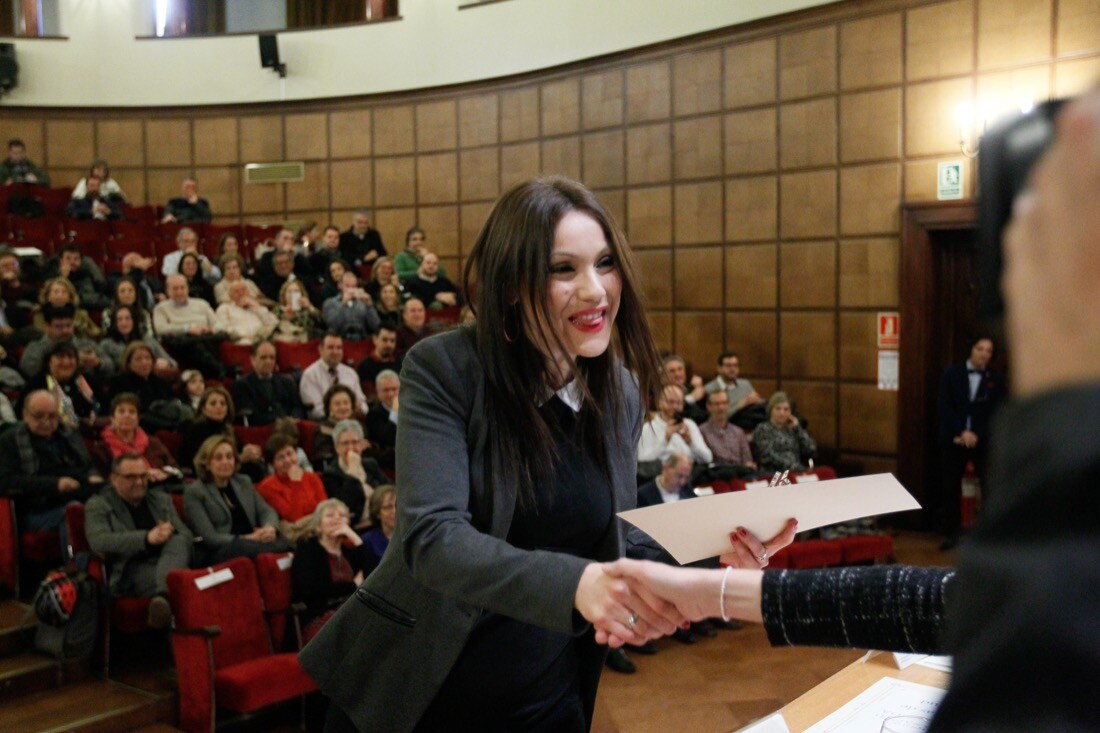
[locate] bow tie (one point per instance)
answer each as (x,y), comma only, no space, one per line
(975,371)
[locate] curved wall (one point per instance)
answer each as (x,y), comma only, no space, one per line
(434,44)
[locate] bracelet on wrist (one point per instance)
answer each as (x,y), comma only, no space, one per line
(722,594)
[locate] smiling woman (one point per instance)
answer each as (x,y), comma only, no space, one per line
(490,607)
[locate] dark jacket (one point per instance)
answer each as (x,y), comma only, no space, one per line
(353,249)
(29,474)
(650,495)
(404,628)
(955,405)
(84,208)
(186,212)
(312,579)
(286,403)
(210,518)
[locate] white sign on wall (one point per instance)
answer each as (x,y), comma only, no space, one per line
(949,180)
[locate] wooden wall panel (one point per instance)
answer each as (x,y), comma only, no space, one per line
(478,120)
(72,143)
(312,191)
(870,125)
(698,281)
(120,142)
(648,92)
(649,216)
(1078,25)
(352,182)
(394,130)
(168,142)
(869,273)
(437,126)
(603,97)
(395,181)
(752,276)
(807,275)
(655,266)
(561,107)
(562,156)
(649,154)
(751,144)
(698,213)
(221,186)
(868,419)
(935,35)
(437,178)
(307,136)
(751,73)
(261,139)
(518,162)
(519,115)
(604,159)
(1013,32)
(752,205)
(441,223)
(807,135)
(858,346)
(215,141)
(350,133)
(870,51)
(696,83)
(816,403)
(870,199)
(808,204)
(696,333)
(807,63)
(697,148)
(807,344)
(752,334)
(480,178)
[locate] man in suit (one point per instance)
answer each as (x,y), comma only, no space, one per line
(266,396)
(968,394)
(361,244)
(672,484)
(382,417)
(140,534)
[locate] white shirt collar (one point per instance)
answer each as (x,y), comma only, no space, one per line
(570,394)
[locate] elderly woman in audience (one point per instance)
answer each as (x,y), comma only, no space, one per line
(233,271)
(782,444)
(192,387)
(292,492)
(137,374)
(413,327)
(124,434)
(127,329)
(58,292)
(329,564)
(225,510)
(244,318)
(298,319)
(382,273)
(338,403)
(230,245)
(389,305)
(383,517)
(197,285)
(215,417)
(61,376)
(126,294)
(352,475)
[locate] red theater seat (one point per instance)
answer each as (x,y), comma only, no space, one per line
(224,657)
(238,355)
(296,357)
(356,351)
(867,548)
(814,554)
(273,572)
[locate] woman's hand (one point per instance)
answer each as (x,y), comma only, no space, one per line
(251,452)
(156,474)
(749,552)
(295,472)
(695,592)
(619,615)
(350,536)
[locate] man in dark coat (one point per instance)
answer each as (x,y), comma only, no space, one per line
(264,395)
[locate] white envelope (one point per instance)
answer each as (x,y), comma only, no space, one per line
(695,529)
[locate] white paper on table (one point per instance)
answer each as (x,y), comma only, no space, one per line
(699,528)
(906,659)
(884,699)
(774,723)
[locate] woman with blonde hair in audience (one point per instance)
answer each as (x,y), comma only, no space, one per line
(60,291)
(214,416)
(124,434)
(291,491)
(233,270)
(389,305)
(299,319)
(383,517)
(126,294)
(382,273)
(126,329)
(330,562)
(225,510)
(782,444)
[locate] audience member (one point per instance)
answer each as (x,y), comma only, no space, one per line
(339,404)
(44,466)
(60,291)
(668,432)
(382,273)
(389,306)
(94,204)
(329,285)
(382,418)
(140,534)
(383,519)
(282,271)
(244,319)
(139,270)
(188,206)
(676,372)
(215,417)
(186,327)
(264,396)
(351,313)
(329,564)
(407,261)
(291,492)
(187,241)
(16,292)
(61,377)
(782,444)
(138,375)
(229,245)
(384,355)
(197,285)
(726,441)
(18,168)
(746,405)
(299,319)
(431,287)
(233,267)
(225,510)
(969,394)
(7,413)
(127,330)
(672,484)
(124,434)
(82,272)
(352,475)
(126,294)
(59,327)
(328,370)
(414,317)
(361,243)
(192,388)
(324,254)
(108,187)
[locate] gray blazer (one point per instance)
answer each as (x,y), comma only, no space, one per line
(209,517)
(111,532)
(383,657)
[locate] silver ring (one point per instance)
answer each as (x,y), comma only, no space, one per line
(763,557)
(632,620)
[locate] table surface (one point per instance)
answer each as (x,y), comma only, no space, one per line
(834,692)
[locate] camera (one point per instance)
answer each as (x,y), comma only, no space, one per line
(1008,151)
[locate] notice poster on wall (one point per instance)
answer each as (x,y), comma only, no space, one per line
(888,371)
(949,180)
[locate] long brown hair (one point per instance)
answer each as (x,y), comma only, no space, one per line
(507,278)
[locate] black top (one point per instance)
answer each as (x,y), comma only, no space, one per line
(148,389)
(194,433)
(516,676)
(354,248)
(370,367)
(242,525)
(894,608)
(311,576)
(186,212)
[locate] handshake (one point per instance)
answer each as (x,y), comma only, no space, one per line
(633,601)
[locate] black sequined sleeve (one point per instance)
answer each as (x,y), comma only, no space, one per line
(893,608)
